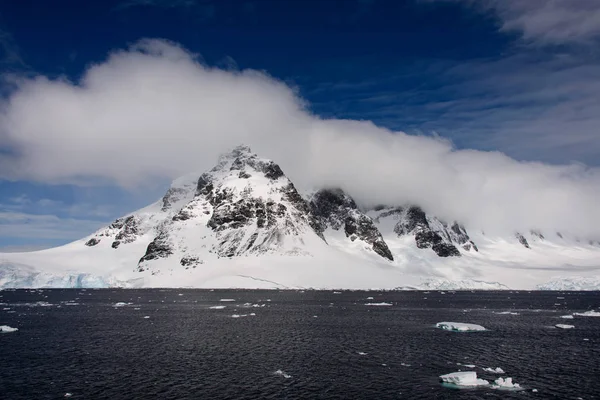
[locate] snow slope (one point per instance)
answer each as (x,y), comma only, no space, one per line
(243,224)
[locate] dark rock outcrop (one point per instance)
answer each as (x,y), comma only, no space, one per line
(92,242)
(522,240)
(334,208)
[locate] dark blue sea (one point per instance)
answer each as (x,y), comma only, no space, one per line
(170,344)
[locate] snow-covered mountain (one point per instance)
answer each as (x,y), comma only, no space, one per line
(244,224)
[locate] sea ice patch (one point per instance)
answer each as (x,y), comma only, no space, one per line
(7,329)
(588,314)
(282,373)
(463,379)
(506,384)
(497,370)
(459,327)
(564,326)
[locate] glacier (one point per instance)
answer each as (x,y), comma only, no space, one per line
(244,224)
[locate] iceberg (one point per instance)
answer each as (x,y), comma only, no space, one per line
(506,384)
(282,373)
(463,379)
(498,370)
(564,326)
(588,314)
(7,329)
(459,327)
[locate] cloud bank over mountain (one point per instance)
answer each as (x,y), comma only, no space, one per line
(155,111)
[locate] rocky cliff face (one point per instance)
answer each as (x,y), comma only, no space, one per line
(428,231)
(336,210)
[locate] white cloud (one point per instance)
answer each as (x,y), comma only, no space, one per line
(154,111)
(545,21)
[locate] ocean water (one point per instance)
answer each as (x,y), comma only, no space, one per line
(297,345)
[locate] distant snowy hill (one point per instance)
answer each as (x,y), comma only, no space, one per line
(244,224)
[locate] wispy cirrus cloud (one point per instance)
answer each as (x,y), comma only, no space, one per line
(27,226)
(543,21)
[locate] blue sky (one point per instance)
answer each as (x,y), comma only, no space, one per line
(515,77)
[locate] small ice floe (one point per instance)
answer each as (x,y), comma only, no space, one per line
(564,326)
(566,316)
(227,300)
(243,315)
(282,373)
(534,390)
(506,384)
(459,327)
(146,317)
(217,307)
(588,314)
(68,394)
(497,370)
(378,304)
(7,329)
(361,353)
(463,379)
(121,304)
(507,313)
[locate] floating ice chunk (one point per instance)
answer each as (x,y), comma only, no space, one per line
(459,327)
(378,304)
(506,384)
(146,317)
(564,326)
(588,314)
(361,353)
(463,379)
(68,394)
(534,390)
(217,307)
(282,373)
(243,315)
(7,329)
(227,300)
(498,370)
(121,304)
(567,316)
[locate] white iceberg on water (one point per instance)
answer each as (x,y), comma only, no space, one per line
(506,384)
(564,326)
(463,379)
(588,314)
(459,327)
(7,329)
